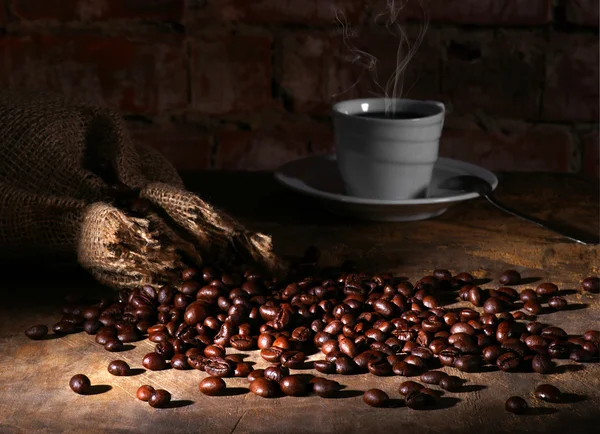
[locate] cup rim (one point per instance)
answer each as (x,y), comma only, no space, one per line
(427,119)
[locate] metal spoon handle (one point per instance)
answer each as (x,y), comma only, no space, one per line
(569,232)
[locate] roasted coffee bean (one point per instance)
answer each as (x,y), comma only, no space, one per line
(324,367)
(468,363)
(119,368)
(144,392)
(242,343)
(179,362)
(80,384)
(376,398)
(195,313)
(448,356)
(441,274)
(276,373)
(554,333)
(242,369)
(113,345)
(418,400)
(592,336)
(546,289)
(528,295)
(265,340)
(272,355)
(451,383)
(433,377)
(510,277)
(581,356)
(257,373)
(292,359)
(264,388)
(92,326)
(475,296)
(379,368)
(533,307)
(508,361)
(154,362)
(422,353)
(64,328)
(494,305)
(405,369)
(547,392)
(558,350)
(558,303)
(516,405)
(159,399)
(292,385)
(408,387)
(218,367)
(325,388)
(535,328)
(514,345)
(591,284)
(491,353)
(212,386)
(464,277)
(37,332)
(542,364)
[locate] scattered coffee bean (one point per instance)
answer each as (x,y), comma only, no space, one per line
(451,383)
(408,387)
(113,345)
(292,385)
(433,377)
(591,284)
(264,388)
(37,332)
(257,373)
(179,362)
(144,392)
(80,384)
(159,399)
(581,356)
(542,364)
(510,277)
(547,289)
(516,405)
(325,388)
(376,398)
(119,368)
(533,307)
(154,362)
(547,392)
(212,386)
(558,303)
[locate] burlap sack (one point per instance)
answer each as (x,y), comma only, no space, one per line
(55,158)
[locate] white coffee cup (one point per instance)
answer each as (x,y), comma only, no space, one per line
(383,157)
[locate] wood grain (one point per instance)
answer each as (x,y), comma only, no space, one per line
(34,375)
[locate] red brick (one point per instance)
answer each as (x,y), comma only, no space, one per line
(591,154)
(478,12)
(185,147)
(508,145)
(319,68)
(310,12)
(232,74)
(134,76)
(258,150)
(583,12)
(571,88)
(499,73)
(98,10)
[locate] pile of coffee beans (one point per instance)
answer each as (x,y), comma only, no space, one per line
(360,323)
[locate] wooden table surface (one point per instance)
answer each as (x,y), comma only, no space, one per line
(473,237)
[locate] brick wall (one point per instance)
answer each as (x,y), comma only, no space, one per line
(248,84)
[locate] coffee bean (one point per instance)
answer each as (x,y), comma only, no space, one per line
(417,400)
(376,398)
(464,277)
(451,383)
(547,392)
(179,362)
(379,368)
(159,399)
(276,373)
(80,384)
(272,355)
(292,385)
(533,307)
(119,368)
(325,388)
(144,392)
(404,369)
(433,377)
(257,373)
(292,359)
(508,362)
(554,333)
(324,367)
(92,326)
(494,305)
(218,367)
(528,295)
(441,274)
(242,343)
(154,362)
(113,345)
(37,332)
(214,351)
(212,386)
(535,328)
(558,350)
(510,277)
(468,363)
(542,364)
(558,303)
(264,388)
(64,327)
(581,356)
(592,336)
(591,284)
(547,289)
(516,405)
(408,387)
(242,369)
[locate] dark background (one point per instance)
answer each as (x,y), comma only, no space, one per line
(248,84)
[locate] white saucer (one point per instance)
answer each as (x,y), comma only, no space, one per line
(318,176)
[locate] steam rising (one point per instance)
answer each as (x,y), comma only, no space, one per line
(388,18)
